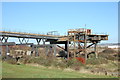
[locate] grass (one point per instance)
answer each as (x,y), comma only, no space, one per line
(27,71)
(0,69)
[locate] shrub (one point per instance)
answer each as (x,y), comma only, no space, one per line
(11,61)
(46,61)
(74,64)
(96,61)
(3,58)
(59,64)
(52,61)
(109,51)
(25,59)
(108,56)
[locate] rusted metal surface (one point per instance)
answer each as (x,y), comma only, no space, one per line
(79,36)
(75,42)
(25,33)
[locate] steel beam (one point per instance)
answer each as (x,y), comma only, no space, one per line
(26,35)
(25,44)
(7,43)
(38,41)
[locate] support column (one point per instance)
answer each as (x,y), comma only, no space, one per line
(1,39)
(0,50)
(6,38)
(7,51)
(95,48)
(38,41)
(54,49)
(46,50)
(26,41)
(66,45)
(68,54)
(85,46)
(21,41)
(44,40)
(74,46)
(50,49)
(32,49)
(36,51)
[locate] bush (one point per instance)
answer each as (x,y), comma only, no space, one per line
(53,61)
(3,58)
(46,61)
(96,61)
(60,64)
(11,61)
(26,59)
(109,51)
(74,64)
(108,56)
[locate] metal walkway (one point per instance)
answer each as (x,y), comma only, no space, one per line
(75,42)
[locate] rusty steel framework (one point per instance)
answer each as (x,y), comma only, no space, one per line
(78,39)
(76,42)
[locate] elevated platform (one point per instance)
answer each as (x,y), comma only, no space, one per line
(90,38)
(26,35)
(75,42)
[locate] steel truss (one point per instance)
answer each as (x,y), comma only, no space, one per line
(78,42)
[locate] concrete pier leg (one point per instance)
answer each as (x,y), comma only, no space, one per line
(32,49)
(66,45)
(7,51)
(85,47)
(54,50)
(0,50)
(95,48)
(46,50)
(36,51)
(67,48)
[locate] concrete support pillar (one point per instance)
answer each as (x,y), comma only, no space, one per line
(36,51)
(38,41)
(54,50)
(1,39)
(66,45)
(68,53)
(95,49)
(21,41)
(7,51)
(43,41)
(32,49)
(46,50)
(50,49)
(6,38)
(0,50)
